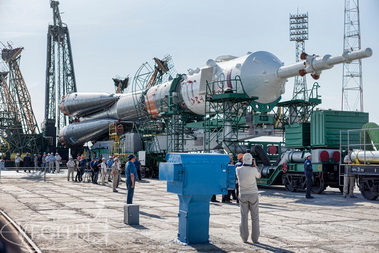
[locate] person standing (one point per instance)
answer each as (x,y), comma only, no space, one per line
(35,159)
(58,160)
(116,174)
(95,169)
(308,171)
(131,176)
(51,162)
(238,164)
(82,167)
(2,164)
(103,170)
(91,167)
(348,179)
(248,197)
(137,164)
(27,162)
(39,161)
(227,198)
(109,168)
(71,168)
(43,165)
(17,162)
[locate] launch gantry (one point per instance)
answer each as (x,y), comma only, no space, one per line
(60,75)
(19,128)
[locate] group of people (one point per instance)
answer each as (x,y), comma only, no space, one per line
(246,174)
(43,161)
(349,179)
(246,185)
(106,170)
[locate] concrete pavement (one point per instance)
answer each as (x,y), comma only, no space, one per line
(61,216)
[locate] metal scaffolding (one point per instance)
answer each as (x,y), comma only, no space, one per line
(60,75)
(352,84)
(18,127)
(225,114)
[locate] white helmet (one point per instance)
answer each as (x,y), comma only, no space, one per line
(307,154)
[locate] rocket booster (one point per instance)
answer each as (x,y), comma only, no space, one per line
(261,75)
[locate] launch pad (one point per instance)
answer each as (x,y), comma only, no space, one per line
(79,217)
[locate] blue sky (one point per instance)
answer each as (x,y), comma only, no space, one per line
(113,38)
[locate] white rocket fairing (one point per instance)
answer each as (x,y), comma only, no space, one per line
(261,75)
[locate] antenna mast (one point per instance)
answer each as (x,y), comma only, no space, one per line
(352,85)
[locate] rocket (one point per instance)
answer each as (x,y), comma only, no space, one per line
(260,74)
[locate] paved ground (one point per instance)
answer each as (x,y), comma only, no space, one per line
(63,216)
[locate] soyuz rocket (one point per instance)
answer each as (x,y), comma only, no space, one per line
(261,73)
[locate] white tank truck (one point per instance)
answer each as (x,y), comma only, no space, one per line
(363,157)
(261,73)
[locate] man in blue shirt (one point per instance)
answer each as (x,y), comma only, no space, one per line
(131,176)
(27,162)
(308,174)
(109,167)
(95,166)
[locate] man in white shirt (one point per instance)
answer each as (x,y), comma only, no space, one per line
(116,174)
(58,160)
(71,168)
(348,179)
(17,161)
(248,197)
(103,170)
(51,161)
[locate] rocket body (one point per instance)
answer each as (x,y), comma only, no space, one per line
(261,75)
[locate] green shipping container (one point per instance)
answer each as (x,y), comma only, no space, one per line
(298,135)
(326,126)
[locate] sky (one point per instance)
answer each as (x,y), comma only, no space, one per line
(113,38)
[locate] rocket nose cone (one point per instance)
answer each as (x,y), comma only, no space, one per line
(258,75)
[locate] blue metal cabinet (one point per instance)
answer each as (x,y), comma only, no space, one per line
(195,178)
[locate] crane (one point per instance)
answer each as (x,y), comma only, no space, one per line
(19,126)
(60,75)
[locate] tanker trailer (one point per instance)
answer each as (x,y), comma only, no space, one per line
(364,159)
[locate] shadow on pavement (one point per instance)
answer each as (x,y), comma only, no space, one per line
(150,215)
(138,227)
(269,248)
(206,248)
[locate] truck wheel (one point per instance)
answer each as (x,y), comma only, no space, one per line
(367,194)
(289,187)
(365,186)
(318,185)
(287,181)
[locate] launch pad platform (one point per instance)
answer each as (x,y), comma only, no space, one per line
(62,216)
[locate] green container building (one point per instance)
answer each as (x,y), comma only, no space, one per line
(326,126)
(298,135)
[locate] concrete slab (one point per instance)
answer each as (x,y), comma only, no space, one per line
(63,216)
